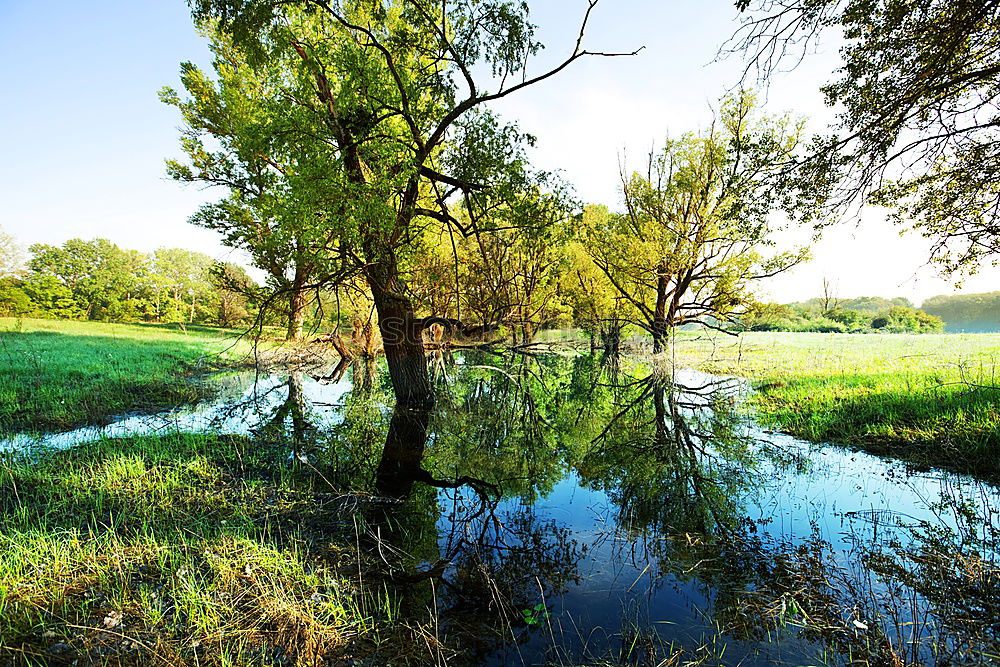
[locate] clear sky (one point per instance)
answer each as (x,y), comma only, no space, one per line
(85,136)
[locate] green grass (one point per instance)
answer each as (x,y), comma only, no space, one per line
(59,374)
(185,549)
(932,399)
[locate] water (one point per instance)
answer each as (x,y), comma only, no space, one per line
(557,508)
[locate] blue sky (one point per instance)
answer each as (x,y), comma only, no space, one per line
(85,135)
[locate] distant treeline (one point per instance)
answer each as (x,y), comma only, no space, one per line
(970,313)
(97,280)
(867,314)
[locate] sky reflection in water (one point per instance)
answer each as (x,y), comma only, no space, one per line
(565,508)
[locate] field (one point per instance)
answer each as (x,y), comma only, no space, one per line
(931,399)
(58,374)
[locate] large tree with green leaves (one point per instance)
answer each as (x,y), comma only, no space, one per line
(918,99)
(244,132)
(699,221)
(395,94)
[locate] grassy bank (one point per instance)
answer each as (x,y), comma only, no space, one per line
(932,399)
(178,550)
(59,374)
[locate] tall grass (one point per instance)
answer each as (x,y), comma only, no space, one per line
(171,551)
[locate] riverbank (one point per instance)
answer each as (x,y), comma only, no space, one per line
(929,399)
(56,374)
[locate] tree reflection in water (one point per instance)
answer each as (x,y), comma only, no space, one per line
(537,476)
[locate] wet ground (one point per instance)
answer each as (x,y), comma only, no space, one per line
(565,508)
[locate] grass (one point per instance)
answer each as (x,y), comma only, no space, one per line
(59,374)
(186,549)
(931,399)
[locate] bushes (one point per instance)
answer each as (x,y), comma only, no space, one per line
(807,317)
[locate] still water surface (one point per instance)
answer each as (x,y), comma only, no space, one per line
(567,509)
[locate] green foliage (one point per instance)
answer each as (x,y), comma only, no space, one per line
(507,271)
(860,315)
(597,306)
(367,122)
(534,615)
(917,101)
(97,280)
(246,133)
(13,299)
(106,281)
(693,238)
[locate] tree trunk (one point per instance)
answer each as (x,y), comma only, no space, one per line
(659,323)
(401,331)
(296,307)
(297,402)
(611,335)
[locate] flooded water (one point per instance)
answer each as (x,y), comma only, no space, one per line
(564,509)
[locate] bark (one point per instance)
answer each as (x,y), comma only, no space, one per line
(341,347)
(296,306)
(402,333)
(659,323)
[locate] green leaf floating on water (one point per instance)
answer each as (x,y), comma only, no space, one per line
(532,615)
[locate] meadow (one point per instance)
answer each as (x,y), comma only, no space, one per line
(930,398)
(933,399)
(59,374)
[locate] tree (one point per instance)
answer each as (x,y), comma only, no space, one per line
(919,101)
(966,312)
(105,281)
(13,299)
(184,288)
(688,247)
(11,256)
(97,280)
(51,297)
(507,270)
(279,193)
(394,94)
(597,307)
(830,300)
(233,290)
